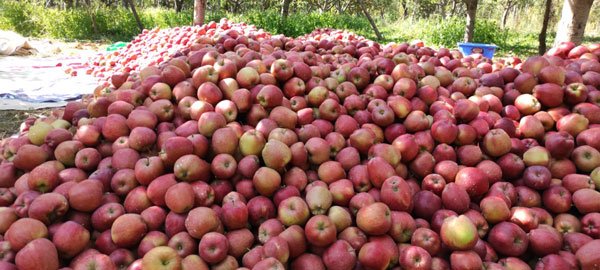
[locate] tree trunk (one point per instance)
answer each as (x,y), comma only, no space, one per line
(285,7)
(91,14)
(199,11)
(442,7)
(236,7)
(515,12)
(178,5)
(505,14)
(370,20)
(404,9)
(453,8)
(542,37)
(135,14)
(572,23)
(471,13)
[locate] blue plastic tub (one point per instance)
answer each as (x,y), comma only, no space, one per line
(486,50)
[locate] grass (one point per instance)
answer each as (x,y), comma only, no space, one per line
(10,120)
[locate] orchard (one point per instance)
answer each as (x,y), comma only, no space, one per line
(225,147)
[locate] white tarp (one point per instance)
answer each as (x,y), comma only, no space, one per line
(36,80)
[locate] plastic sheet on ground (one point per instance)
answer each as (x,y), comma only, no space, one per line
(27,83)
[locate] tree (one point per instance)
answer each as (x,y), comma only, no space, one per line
(285,7)
(542,36)
(360,3)
(573,19)
(404,4)
(178,5)
(471,13)
(509,5)
(91,14)
(199,11)
(137,18)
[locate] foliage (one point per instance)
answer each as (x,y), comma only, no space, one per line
(449,32)
(117,23)
(300,23)
(114,23)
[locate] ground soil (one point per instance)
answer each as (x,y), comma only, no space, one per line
(10,120)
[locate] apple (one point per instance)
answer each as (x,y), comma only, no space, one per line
(465,260)
(240,242)
(537,177)
(508,239)
(122,258)
(494,209)
(473,180)
(374,256)
(269,96)
(586,256)
(396,194)
(24,231)
(197,223)
(268,263)
(552,261)
(426,239)
(127,230)
(180,198)
(545,240)
(550,94)
(23,201)
(318,199)
(213,247)
(277,247)
(70,239)
(8,217)
(426,203)
(586,158)
(557,199)
(459,233)
(340,255)
(86,195)
(276,154)
(123,182)
(37,254)
(585,200)
(100,261)
(48,207)
(124,158)
(266,181)
(234,214)
(320,231)
(162,257)
(415,257)
(573,124)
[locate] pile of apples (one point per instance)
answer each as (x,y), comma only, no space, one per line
(570,51)
(254,151)
(155,46)
(332,34)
